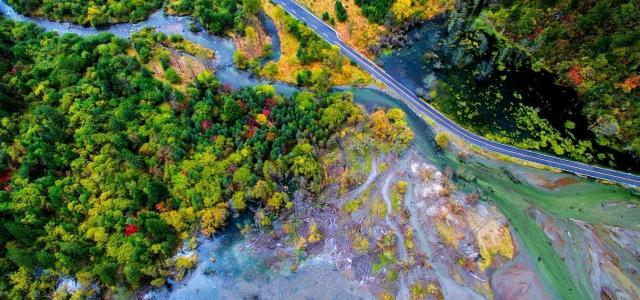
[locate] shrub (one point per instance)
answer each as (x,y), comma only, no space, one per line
(341,12)
(171,75)
(442,140)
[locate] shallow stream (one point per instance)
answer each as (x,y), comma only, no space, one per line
(238,270)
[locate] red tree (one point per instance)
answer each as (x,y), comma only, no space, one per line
(130,229)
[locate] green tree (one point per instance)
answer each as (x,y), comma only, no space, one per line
(325,16)
(240,59)
(172,76)
(341,12)
(231,111)
(251,7)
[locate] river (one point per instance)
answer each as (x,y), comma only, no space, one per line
(229,267)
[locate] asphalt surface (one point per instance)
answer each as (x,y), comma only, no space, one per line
(326,32)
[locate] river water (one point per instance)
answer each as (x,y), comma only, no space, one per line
(229,267)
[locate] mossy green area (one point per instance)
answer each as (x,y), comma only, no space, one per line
(361,162)
(583,201)
(355,204)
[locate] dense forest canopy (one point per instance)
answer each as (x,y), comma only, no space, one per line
(376,10)
(594,46)
(104,169)
(84,12)
(216,16)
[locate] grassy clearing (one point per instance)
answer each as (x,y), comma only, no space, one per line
(357,30)
(254,42)
(355,204)
(171,59)
(186,67)
(288,66)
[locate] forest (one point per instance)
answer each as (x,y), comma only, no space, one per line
(591,48)
(104,169)
(93,13)
(218,16)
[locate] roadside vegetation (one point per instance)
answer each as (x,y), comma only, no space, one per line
(356,29)
(369,26)
(577,59)
(306,59)
(593,48)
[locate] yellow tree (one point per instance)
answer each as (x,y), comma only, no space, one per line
(401,9)
(213,218)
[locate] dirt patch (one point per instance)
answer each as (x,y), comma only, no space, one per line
(252,43)
(558,183)
(517,280)
(186,66)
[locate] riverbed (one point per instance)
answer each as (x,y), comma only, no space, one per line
(562,225)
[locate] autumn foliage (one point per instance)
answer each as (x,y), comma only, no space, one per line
(114,168)
(575,76)
(630,83)
(130,229)
(390,127)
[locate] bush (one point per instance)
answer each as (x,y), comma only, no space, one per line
(270,69)
(442,140)
(193,27)
(239,59)
(171,75)
(303,77)
(176,38)
(165,62)
(341,13)
(325,16)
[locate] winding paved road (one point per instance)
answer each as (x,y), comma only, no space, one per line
(326,32)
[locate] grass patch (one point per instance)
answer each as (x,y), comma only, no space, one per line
(360,243)
(289,65)
(397,193)
(447,233)
(357,30)
(355,204)
(384,258)
(378,208)
(382,167)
